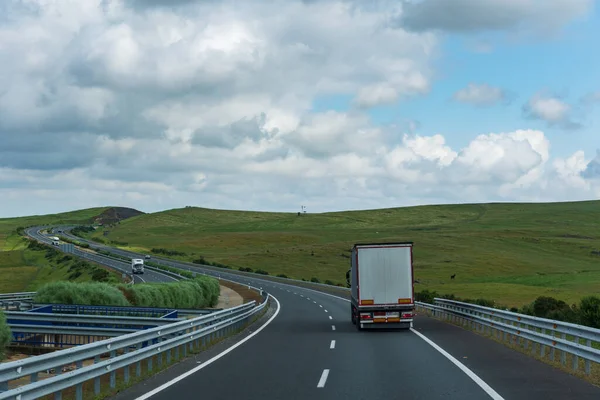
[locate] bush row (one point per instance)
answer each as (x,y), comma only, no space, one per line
(5,335)
(587,312)
(200,292)
(82,229)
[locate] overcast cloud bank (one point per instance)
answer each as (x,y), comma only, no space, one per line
(204,103)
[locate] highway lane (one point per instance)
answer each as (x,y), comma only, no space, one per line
(296,348)
(287,359)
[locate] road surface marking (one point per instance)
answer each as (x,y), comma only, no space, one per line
(333,327)
(491,392)
(325,310)
(330,317)
(215,358)
(486,388)
(314,302)
(332,345)
(320,305)
(323,379)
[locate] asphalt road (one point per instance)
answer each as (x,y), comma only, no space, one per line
(310,349)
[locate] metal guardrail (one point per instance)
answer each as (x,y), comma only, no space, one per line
(514,327)
(17,296)
(134,348)
(32,322)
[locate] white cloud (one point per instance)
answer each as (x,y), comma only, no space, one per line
(480,94)
(487,15)
(550,109)
(156,105)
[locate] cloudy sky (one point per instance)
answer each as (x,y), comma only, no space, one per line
(275,104)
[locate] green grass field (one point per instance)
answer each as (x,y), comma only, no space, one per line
(510,253)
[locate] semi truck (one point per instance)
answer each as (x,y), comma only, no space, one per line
(137,266)
(381,281)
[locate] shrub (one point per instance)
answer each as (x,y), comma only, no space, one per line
(329,282)
(88,293)
(589,311)
(164,251)
(282,276)
(5,335)
(262,272)
(426,296)
(197,293)
(315,280)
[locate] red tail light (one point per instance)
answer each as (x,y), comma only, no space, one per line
(407,315)
(365,316)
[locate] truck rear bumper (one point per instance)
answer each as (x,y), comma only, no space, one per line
(405,324)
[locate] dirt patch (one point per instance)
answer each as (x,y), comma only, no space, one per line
(229,298)
(243,291)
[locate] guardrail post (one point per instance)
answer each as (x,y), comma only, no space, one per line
(552,349)
(575,357)
(113,373)
(79,387)
(138,365)
(97,380)
(588,367)
(563,355)
(126,368)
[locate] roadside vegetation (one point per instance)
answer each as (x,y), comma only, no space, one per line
(5,335)
(200,292)
(508,253)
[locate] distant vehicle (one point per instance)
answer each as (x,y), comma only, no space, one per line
(147,256)
(137,266)
(56,243)
(381,282)
(55,238)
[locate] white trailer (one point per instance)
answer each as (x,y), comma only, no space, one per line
(381,279)
(137,266)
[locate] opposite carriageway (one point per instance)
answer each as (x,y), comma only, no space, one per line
(310,349)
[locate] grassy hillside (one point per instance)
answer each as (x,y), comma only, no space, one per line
(511,253)
(23,269)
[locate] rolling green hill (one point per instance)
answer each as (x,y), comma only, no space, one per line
(511,253)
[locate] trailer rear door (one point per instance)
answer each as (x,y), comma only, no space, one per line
(385,274)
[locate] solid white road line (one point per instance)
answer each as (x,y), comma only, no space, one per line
(215,358)
(332,345)
(486,388)
(323,379)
